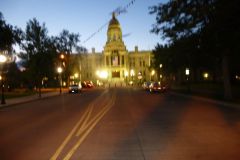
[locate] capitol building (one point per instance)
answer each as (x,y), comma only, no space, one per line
(115,65)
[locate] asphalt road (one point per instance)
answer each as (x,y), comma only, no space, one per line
(119,124)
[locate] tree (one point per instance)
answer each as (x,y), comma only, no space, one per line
(212,22)
(39,55)
(13,72)
(66,43)
(9,35)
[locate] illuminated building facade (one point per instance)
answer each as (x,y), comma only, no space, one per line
(115,65)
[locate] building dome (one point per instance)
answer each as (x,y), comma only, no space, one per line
(114,32)
(113,21)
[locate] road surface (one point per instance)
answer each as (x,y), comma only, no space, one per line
(119,124)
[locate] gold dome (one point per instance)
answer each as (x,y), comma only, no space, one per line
(113,21)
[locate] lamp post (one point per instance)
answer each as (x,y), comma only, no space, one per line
(3,59)
(62,57)
(187,72)
(152,74)
(160,73)
(59,70)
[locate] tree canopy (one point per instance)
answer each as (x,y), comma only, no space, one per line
(201,29)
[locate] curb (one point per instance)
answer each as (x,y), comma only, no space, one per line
(27,99)
(219,102)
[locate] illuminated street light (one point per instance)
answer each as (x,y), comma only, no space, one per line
(59,70)
(187,72)
(103,74)
(160,65)
(152,74)
(76,75)
(205,75)
(160,72)
(62,56)
(3,59)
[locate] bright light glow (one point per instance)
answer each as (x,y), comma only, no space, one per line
(0,78)
(132,73)
(98,73)
(59,69)
(126,73)
(160,65)
(102,74)
(3,58)
(62,56)
(153,72)
(205,75)
(237,77)
(76,75)
(187,71)
(131,82)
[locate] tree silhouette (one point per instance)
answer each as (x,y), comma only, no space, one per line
(213,23)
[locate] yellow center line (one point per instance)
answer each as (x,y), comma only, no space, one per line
(85,121)
(83,128)
(59,150)
(93,123)
(68,138)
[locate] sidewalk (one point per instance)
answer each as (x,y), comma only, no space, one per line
(210,100)
(15,101)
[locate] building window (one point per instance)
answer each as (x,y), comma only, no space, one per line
(122,60)
(115,60)
(107,60)
(115,74)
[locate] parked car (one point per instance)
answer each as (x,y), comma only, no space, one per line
(157,87)
(146,85)
(87,84)
(76,88)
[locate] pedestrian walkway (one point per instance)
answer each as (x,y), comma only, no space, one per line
(210,100)
(19,100)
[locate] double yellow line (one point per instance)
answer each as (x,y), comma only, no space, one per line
(83,127)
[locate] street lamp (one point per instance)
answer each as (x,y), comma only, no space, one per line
(160,73)
(62,57)
(3,59)
(59,70)
(187,72)
(152,74)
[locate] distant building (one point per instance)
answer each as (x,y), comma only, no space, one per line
(115,65)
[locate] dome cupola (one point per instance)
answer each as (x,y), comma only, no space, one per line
(114,32)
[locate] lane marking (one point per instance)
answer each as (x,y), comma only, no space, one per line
(94,123)
(96,117)
(85,121)
(67,139)
(84,124)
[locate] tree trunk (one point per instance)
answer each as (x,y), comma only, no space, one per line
(226,76)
